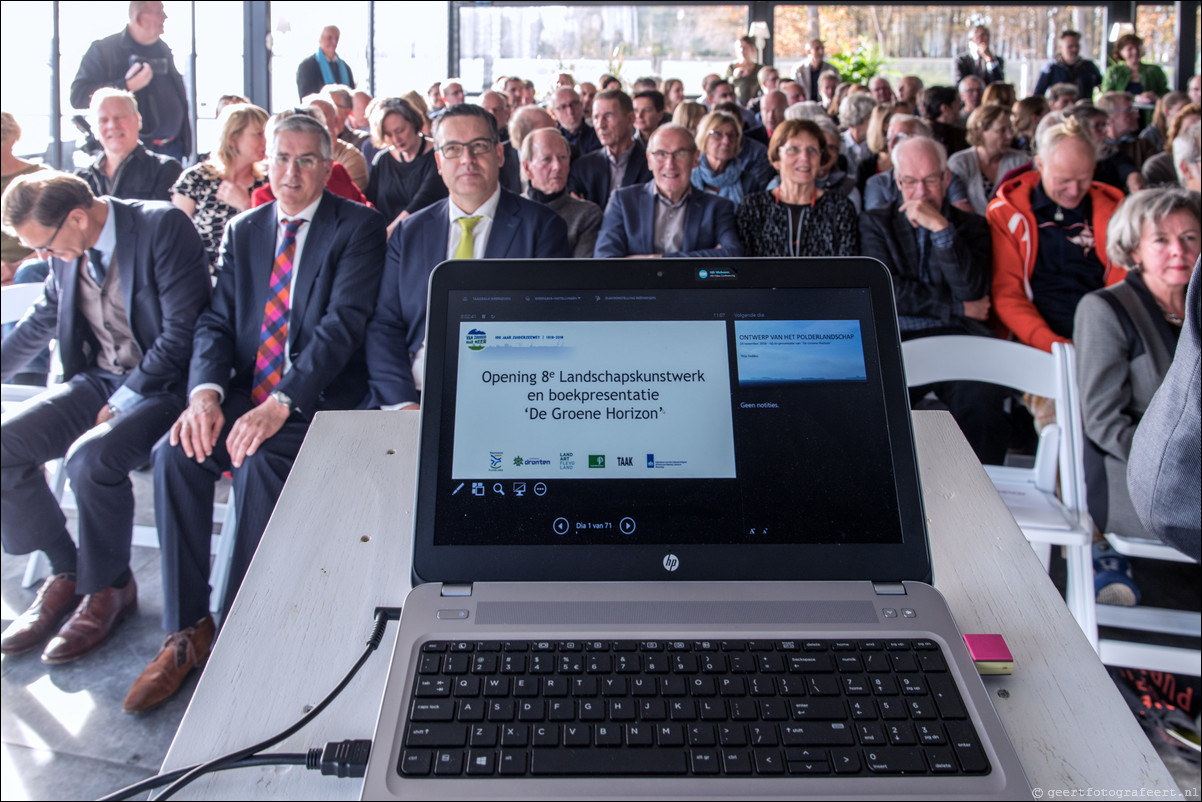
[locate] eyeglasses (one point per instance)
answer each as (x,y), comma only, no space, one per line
(723,134)
(930,182)
(675,155)
(306,162)
(477,147)
(49,245)
(793,151)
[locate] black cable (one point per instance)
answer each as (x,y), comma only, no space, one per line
(382,616)
(151,783)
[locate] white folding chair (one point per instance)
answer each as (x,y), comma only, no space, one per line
(15,300)
(1045,517)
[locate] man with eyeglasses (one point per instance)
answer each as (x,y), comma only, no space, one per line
(281,341)
(568,110)
(666,217)
(621,161)
(480,220)
(941,262)
(127,281)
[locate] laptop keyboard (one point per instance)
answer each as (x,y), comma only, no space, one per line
(686,708)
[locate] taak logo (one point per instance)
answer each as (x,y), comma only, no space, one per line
(625,462)
(475,340)
(596,460)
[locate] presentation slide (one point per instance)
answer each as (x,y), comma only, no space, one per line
(777,352)
(593,400)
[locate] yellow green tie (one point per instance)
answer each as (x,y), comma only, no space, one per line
(467,243)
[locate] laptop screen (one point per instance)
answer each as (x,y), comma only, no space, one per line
(585,414)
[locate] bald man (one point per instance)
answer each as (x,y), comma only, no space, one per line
(323,67)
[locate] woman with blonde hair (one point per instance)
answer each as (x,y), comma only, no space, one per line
(220,187)
(723,168)
(688,114)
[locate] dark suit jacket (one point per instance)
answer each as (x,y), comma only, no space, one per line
(106,63)
(144,176)
(589,178)
(629,225)
(521,229)
(164,284)
(337,280)
(309,80)
(960,273)
(967,65)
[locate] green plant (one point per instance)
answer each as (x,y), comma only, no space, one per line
(860,64)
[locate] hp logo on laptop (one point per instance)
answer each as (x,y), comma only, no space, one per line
(671,562)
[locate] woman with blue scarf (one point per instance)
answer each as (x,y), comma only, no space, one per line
(723,167)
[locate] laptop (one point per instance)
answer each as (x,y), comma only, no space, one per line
(669,541)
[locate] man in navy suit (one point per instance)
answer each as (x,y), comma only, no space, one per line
(281,341)
(667,217)
(480,220)
(127,281)
(621,161)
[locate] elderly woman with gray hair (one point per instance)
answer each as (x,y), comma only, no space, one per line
(1125,337)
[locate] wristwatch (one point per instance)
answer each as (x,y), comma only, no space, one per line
(283,399)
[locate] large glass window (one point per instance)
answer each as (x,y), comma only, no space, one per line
(1157,26)
(411,46)
(924,40)
(539,42)
(219,70)
(25,75)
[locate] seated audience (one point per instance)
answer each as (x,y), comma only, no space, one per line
(215,191)
(344,104)
(722,91)
(1166,109)
(12,252)
(990,157)
(877,136)
(1061,96)
(124,330)
(998,94)
(250,399)
(881,189)
(1122,129)
(523,121)
(568,111)
(939,257)
(1128,74)
(546,164)
(404,177)
(1164,471)
(798,218)
(479,220)
(498,105)
(828,83)
(854,114)
(1125,337)
(347,155)
(941,108)
(1048,229)
(769,80)
(1165,169)
(621,161)
(587,91)
(793,91)
(772,110)
(1026,114)
(648,113)
(125,168)
(338,180)
(668,217)
(689,115)
(673,95)
(881,91)
(725,168)
(972,92)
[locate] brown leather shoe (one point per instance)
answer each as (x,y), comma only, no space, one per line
(181,652)
(55,600)
(92,623)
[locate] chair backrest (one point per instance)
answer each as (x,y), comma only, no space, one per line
(1023,368)
(15,300)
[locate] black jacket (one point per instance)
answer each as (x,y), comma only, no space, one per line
(106,63)
(143,176)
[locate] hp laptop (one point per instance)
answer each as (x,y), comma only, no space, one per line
(669,541)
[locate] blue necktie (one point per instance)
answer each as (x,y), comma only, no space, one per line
(96,267)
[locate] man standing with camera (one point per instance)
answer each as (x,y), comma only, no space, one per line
(138,60)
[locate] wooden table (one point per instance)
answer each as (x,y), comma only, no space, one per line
(339,544)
